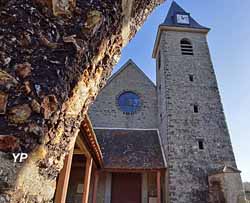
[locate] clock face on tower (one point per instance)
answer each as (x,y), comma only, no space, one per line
(182,19)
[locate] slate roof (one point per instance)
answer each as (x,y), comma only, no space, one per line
(130,149)
(176,9)
(225,169)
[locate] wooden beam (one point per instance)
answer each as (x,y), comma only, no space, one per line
(82,147)
(78,151)
(87,178)
(95,186)
(158,186)
(63,180)
(115,170)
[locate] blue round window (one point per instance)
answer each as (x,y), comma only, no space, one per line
(129,102)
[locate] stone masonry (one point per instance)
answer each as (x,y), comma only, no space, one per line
(182,129)
(185,106)
(105,112)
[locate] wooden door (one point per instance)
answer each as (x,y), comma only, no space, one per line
(126,188)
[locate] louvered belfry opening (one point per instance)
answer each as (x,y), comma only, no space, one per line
(186,47)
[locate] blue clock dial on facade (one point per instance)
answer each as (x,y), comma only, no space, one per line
(129,102)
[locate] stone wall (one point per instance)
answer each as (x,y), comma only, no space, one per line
(217,188)
(247,190)
(226,187)
(233,188)
(105,112)
(181,129)
(248,195)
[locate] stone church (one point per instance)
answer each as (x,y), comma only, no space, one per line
(166,142)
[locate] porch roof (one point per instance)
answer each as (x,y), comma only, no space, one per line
(130,149)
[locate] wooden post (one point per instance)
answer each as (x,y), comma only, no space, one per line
(63,180)
(144,188)
(87,178)
(158,186)
(108,185)
(95,186)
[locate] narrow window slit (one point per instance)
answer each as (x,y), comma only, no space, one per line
(196,109)
(191,78)
(159,60)
(201,144)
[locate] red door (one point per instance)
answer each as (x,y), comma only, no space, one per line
(126,188)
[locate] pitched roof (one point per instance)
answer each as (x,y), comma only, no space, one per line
(170,23)
(88,137)
(126,65)
(225,169)
(176,9)
(130,149)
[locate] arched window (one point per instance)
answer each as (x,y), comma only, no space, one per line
(186,47)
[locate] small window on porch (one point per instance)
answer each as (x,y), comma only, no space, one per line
(79,188)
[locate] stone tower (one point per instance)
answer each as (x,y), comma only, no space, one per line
(192,124)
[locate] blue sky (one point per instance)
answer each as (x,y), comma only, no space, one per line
(229,42)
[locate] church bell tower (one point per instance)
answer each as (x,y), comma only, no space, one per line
(200,161)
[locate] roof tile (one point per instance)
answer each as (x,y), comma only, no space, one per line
(130,149)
